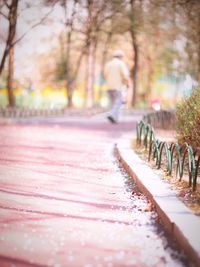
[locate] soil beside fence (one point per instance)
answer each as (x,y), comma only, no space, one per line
(177,164)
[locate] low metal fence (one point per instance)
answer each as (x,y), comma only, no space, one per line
(161,119)
(29,112)
(175,158)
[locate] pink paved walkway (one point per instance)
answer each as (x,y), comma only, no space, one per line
(64,202)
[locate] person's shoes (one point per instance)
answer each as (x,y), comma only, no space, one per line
(111,119)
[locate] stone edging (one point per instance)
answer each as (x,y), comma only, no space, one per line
(178,220)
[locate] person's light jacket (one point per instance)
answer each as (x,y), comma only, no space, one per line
(116,74)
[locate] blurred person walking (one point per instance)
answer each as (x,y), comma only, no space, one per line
(116,75)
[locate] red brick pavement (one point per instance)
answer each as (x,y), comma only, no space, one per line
(64,202)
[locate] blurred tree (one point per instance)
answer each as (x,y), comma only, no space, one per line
(189,11)
(9,11)
(98,13)
(158,34)
(114,24)
(84,20)
(105,26)
(9,47)
(135,15)
(163,39)
(69,21)
(72,50)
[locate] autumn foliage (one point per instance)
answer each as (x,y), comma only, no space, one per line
(188,119)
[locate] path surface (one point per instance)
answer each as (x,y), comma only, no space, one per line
(65,202)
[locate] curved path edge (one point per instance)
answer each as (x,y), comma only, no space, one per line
(178,220)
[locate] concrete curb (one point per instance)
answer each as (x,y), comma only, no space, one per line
(178,220)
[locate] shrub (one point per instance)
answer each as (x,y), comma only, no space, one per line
(188,119)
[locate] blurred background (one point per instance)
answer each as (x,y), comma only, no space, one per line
(52,53)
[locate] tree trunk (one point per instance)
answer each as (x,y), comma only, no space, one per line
(88,78)
(70,88)
(11,99)
(93,68)
(68,67)
(134,71)
(68,72)
(198,70)
(71,82)
(149,80)
(103,61)
(11,33)
(105,51)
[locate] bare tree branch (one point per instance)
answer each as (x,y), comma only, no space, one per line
(1,13)
(32,27)
(12,17)
(6,3)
